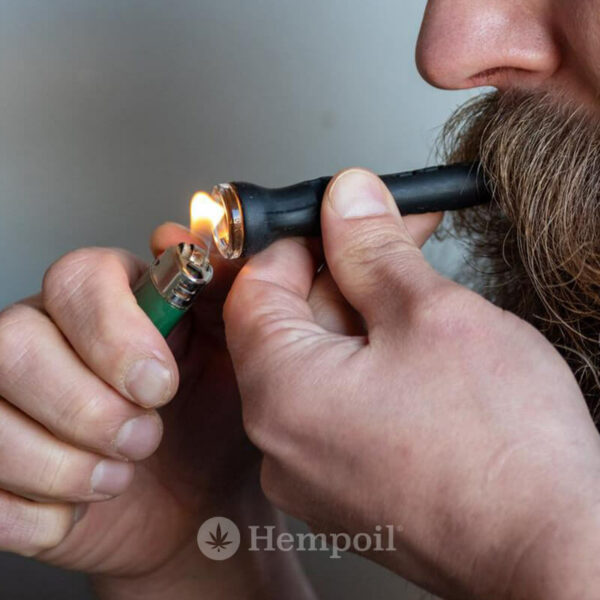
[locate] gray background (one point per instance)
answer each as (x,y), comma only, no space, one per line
(112,112)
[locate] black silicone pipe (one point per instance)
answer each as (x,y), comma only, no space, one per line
(270,214)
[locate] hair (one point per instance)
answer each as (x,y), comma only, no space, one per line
(535,249)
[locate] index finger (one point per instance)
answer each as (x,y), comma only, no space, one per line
(87,293)
(270,294)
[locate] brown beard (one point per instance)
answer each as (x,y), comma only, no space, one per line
(535,250)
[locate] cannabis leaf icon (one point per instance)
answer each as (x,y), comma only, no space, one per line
(218,540)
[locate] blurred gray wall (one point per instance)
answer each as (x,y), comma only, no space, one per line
(112,112)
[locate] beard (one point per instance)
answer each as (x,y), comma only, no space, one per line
(535,249)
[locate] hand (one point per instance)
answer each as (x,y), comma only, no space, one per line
(83,373)
(382,393)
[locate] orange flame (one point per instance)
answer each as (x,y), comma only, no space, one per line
(205,214)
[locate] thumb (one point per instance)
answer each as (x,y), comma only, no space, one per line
(170,234)
(369,250)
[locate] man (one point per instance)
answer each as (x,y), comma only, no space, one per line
(377,391)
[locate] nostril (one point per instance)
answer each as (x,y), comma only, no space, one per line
(485,77)
(472,43)
(499,77)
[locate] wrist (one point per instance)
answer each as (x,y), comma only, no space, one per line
(526,548)
(562,562)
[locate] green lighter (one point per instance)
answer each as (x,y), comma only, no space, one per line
(168,288)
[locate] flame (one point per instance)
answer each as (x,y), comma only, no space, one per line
(205,213)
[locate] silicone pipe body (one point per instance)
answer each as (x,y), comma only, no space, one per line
(165,316)
(270,214)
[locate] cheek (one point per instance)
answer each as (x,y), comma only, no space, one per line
(578,24)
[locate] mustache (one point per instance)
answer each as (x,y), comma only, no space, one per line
(535,250)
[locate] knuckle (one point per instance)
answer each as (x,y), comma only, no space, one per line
(80,278)
(32,528)
(66,272)
(52,525)
(381,247)
(380,254)
(18,329)
(56,475)
(15,320)
(92,419)
(448,313)
(105,340)
(76,275)
(17,529)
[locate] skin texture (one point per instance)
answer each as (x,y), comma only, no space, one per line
(71,346)
(377,391)
(446,417)
(549,45)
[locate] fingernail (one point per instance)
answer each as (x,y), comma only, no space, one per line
(356,194)
(79,512)
(149,382)
(111,477)
(138,438)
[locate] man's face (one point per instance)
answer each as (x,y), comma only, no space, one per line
(536,247)
(552,45)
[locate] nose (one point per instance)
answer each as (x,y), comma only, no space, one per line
(501,43)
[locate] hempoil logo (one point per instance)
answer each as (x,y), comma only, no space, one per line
(219,539)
